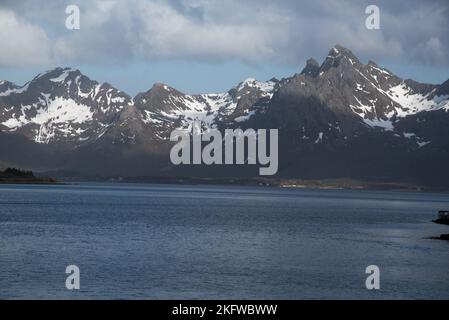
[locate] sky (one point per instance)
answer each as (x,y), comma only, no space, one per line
(200,46)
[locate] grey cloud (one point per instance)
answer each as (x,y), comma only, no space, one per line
(254,31)
(28,46)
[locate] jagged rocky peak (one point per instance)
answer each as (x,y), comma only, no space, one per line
(338,56)
(443,90)
(160,96)
(159,89)
(312,68)
(160,86)
(340,51)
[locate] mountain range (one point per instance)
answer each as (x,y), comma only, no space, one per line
(338,119)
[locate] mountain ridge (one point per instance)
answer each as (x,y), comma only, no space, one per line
(327,110)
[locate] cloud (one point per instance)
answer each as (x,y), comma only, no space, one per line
(21,43)
(432,51)
(252,31)
(166,32)
(163,30)
(320,26)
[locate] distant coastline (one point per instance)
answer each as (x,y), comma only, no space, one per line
(18,176)
(294,183)
(329,184)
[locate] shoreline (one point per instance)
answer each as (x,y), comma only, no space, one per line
(325,184)
(36,182)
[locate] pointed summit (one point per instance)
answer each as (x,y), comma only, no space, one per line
(338,55)
(443,89)
(163,88)
(312,68)
(339,50)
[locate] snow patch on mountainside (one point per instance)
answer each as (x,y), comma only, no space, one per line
(57,110)
(150,119)
(384,124)
(266,87)
(195,111)
(220,102)
(413,103)
(209,108)
(60,110)
(62,77)
(404,101)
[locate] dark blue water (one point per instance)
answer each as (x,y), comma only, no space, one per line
(190,242)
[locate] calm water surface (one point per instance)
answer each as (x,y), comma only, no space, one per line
(205,242)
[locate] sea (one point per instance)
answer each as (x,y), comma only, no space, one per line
(143,241)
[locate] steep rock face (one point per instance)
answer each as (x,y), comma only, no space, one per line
(312,68)
(350,87)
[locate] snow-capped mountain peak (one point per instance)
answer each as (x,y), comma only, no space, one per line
(60,105)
